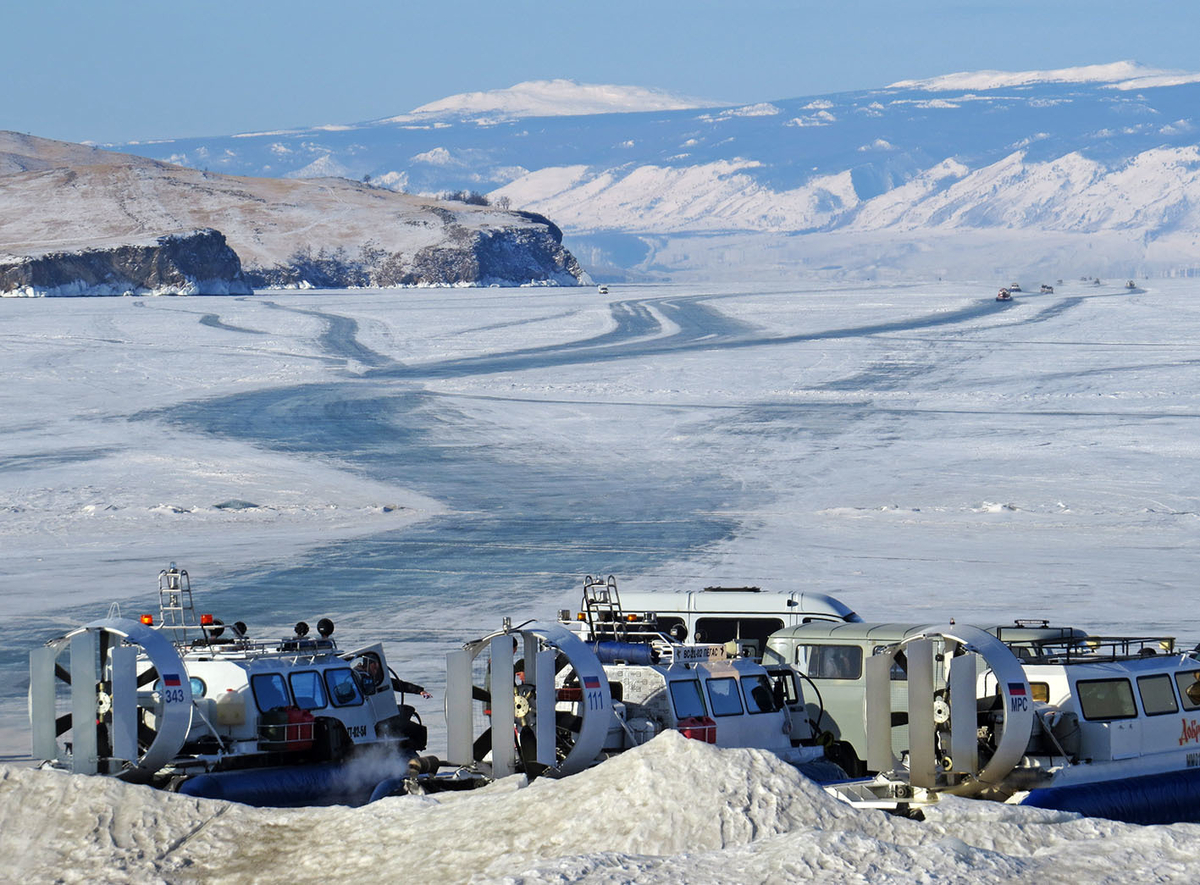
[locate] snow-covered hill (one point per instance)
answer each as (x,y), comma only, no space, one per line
(324,233)
(1108,151)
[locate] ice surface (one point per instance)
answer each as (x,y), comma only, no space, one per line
(420,464)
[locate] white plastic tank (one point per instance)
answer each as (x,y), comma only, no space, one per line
(231,708)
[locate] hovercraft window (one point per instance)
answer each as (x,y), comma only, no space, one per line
(370,671)
(723,696)
(308,689)
(784,688)
(197,684)
(342,687)
(830,661)
(270,691)
(759,697)
(1106,699)
(1189,688)
(1157,695)
(688,701)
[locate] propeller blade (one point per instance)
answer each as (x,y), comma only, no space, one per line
(145,735)
(527,745)
(481,694)
(482,745)
(62,673)
(147,677)
(565,720)
(62,724)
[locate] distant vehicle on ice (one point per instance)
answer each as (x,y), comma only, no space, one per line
(1014,287)
(603,290)
(1130,284)
(1004,295)
(1047,290)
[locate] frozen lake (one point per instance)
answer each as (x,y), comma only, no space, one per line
(418,464)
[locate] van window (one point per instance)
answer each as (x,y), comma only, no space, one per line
(758,694)
(342,687)
(1189,688)
(686,697)
(898,672)
(723,697)
(674,628)
(270,691)
(1106,699)
(830,661)
(1157,695)
(307,689)
(753,630)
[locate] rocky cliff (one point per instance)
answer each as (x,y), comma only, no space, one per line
(312,233)
(190,263)
(464,256)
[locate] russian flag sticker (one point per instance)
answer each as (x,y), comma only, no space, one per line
(1016,689)
(171,680)
(591,682)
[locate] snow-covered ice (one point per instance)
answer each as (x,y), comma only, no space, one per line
(417,464)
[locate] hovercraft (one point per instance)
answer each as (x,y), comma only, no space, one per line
(185,703)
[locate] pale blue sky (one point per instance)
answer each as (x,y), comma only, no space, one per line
(135,69)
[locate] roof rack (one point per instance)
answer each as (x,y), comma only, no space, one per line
(1093,649)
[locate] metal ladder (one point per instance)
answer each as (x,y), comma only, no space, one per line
(175,609)
(602,605)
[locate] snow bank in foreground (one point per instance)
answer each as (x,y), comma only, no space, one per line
(673,810)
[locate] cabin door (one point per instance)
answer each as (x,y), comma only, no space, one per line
(371,668)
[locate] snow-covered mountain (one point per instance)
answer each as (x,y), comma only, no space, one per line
(1091,169)
(547,98)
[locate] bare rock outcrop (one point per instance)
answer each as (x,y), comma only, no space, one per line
(190,263)
(529,254)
